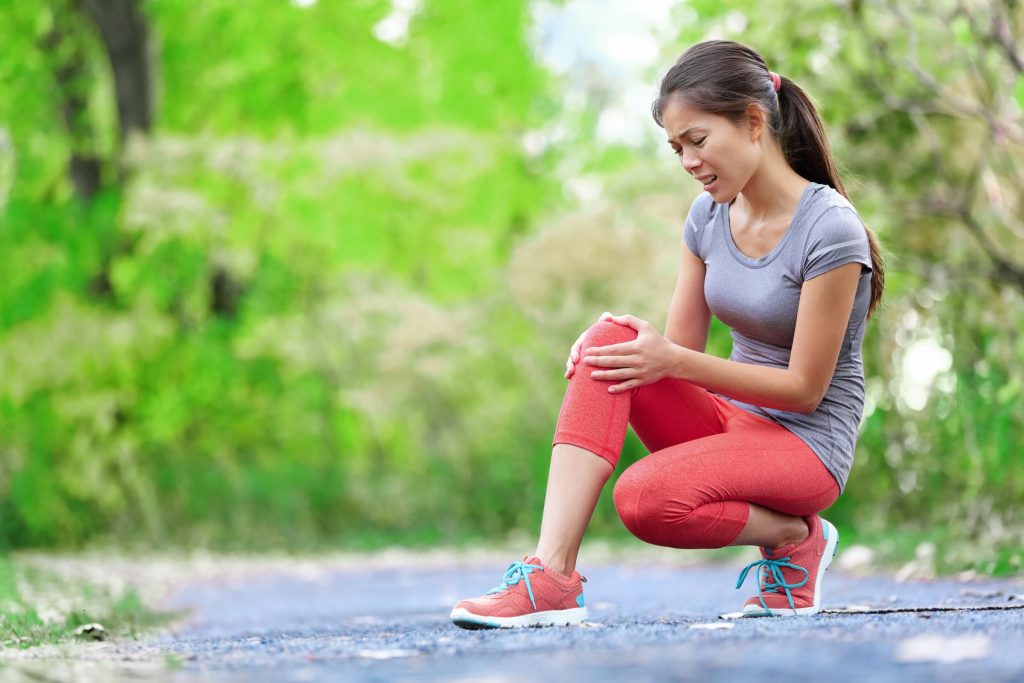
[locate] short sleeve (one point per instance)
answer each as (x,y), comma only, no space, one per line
(838,238)
(696,223)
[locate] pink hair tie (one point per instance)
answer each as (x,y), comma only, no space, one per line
(776,80)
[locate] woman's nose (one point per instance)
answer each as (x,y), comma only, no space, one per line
(690,162)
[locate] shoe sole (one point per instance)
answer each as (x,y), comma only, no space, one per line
(826,559)
(560,617)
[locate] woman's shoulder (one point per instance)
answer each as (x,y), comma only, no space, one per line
(826,197)
(698,219)
(703,207)
(834,234)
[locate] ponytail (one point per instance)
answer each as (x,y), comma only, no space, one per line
(804,143)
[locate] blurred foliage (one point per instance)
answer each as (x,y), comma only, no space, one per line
(327,299)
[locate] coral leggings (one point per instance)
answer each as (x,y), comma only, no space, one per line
(708,458)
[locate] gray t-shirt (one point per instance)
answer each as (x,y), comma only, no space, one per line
(758,300)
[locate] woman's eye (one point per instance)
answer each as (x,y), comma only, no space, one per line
(697,143)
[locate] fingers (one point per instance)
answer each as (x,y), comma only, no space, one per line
(612,349)
(620,373)
(606,353)
(610,361)
(629,320)
(574,352)
(571,370)
(574,355)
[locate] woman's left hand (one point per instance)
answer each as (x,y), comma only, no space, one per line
(640,361)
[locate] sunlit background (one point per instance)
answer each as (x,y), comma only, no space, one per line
(304,275)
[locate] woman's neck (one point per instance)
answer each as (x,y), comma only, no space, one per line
(773,191)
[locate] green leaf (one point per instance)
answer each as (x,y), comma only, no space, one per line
(962,30)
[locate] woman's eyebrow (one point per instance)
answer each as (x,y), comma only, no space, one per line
(684,133)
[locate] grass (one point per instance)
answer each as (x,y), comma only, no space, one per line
(57,607)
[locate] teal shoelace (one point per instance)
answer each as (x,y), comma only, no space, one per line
(517,571)
(772,569)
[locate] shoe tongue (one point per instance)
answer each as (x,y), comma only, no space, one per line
(533,559)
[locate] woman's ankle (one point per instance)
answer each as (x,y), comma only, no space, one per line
(559,565)
(798,536)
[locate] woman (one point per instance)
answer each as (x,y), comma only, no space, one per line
(745,451)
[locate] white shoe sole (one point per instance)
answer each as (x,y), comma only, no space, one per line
(826,560)
(560,617)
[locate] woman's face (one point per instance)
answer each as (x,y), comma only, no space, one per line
(710,145)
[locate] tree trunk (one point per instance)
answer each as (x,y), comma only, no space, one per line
(125,34)
(71,77)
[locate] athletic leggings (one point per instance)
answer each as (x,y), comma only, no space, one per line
(708,458)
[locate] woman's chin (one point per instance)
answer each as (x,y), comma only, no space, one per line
(723,196)
(715,190)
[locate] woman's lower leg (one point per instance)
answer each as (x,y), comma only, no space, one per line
(771,529)
(575,479)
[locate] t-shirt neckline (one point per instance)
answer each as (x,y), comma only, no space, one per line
(777,249)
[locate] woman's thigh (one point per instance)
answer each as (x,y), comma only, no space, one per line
(756,461)
(673,411)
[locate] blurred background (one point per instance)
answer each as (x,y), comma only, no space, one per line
(304,274)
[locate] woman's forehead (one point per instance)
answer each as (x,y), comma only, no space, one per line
(680,118)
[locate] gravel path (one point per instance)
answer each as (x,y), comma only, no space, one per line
(653,622)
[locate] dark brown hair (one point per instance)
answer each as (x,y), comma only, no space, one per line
(724,77)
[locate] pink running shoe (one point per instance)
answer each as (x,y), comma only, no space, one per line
(790,576)
(530,594)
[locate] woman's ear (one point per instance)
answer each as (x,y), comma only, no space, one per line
(756,121)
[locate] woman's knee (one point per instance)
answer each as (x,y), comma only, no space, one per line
(625,496)
(605,332)
(656,516)
(640,507)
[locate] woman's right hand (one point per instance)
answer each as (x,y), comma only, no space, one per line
(574,353)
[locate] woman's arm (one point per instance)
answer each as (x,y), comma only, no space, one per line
(826,302)
(689,317)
